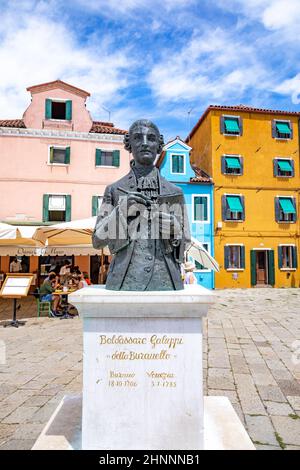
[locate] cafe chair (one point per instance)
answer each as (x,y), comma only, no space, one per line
(43,307)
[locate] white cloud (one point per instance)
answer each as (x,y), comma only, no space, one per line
(216,66)
(290,87)
(36,49)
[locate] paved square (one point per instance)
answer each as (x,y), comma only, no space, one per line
(251,355)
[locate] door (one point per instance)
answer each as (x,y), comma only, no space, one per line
(261,268)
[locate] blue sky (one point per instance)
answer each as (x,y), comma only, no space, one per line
(163,60)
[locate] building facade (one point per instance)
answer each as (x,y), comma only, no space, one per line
(252,156)
(56,162)
(197,187)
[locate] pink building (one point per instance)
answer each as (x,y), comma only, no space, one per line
(56,161)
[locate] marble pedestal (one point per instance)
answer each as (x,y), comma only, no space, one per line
(142,368)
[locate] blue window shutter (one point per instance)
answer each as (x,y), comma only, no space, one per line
(280,257)
(241,125)
(226,256)
(94,205)
(181,163)
(275,167)
(295,257)
(274,130)
(242,198)
(223,165)
(98,157)
(68,208)
(295,205)
(293,167)
(242,257)
(69,110)
(48,108)
(116,158)
(222,125)
(175,164)
(67,156)
(277,210)
(242,165)
(224,207)
(46,208)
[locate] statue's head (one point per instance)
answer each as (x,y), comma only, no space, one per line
(144,141)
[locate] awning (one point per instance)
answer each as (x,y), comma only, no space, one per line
(233,162)
(285,165)
(231,125)
(51,251)
(287,205)
(234,203)
(283,127)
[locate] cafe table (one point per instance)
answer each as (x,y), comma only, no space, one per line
(64,294)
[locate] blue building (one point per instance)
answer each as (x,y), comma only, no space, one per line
(197,187)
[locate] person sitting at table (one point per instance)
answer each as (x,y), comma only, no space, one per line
(87,279)
(82,282)
(47,289)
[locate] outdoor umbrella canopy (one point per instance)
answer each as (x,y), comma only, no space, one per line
(77,232)
(8,232)
(17,236)
(197,251)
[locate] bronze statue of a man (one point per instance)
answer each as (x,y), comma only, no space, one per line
(142,220)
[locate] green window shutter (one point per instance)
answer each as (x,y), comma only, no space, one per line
(69,110)
(181,163)
(283,128)
(233,162)
(175,164)
(285,165)
(98,157)
(94,205)
(253,267)
(46,208)
(48,109)
(231,125)
(51,154)
(287,205)
(116,158)
(67,156)
(280,257)
(68,208)
(242,257)
(295,257)
(271,267)
(234,203)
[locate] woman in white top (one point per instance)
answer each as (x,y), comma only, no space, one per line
(189,276)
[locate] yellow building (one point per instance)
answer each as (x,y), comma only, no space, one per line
(252,156)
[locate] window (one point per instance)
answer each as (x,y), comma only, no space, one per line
(233,207)
(234,257)
(231,125)
(200,208)
(199,266)
(59,155)
(56,208)
(232,165)
(283,167)
(177,164)
(58,109)
(285,209)
(107,157)
(282,129)
(287,257)
(96,204)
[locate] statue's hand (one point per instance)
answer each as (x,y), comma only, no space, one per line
(168,224)
(137,198)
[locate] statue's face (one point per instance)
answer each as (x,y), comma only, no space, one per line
(144,142)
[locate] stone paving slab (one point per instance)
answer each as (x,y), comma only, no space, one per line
(251,356)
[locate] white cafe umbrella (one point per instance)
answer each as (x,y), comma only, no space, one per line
(8,232)
(77,233)
(197,251)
